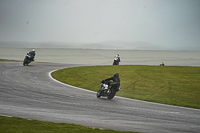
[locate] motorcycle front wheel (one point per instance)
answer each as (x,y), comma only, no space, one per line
(25,62)
(98,94)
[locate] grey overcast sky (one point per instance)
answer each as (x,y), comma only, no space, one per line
(161,22)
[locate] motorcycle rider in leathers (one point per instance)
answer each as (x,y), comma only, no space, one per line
(116,60)
(115,79)
(32,54)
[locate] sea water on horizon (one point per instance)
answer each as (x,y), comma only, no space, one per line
(106,57)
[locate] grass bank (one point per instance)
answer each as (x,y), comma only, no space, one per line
(173,85)
(6,60)
(19,125)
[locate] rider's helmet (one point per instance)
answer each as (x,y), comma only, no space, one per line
(116,75)
(117,54)
(33,50)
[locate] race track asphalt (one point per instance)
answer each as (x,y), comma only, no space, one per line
(29,92)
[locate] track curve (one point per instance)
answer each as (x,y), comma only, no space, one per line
(29,92)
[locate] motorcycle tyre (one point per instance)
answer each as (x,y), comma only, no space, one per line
(111,95)
(115,63)
(25,62)
(98,94)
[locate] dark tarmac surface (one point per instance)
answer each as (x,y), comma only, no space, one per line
(29,92)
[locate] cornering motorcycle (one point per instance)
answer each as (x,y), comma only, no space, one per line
(28,58)
(108,89)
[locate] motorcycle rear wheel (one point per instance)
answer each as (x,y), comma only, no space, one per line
(111,95)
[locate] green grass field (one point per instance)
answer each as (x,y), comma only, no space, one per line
(174,85)
(19,125)
(5,60)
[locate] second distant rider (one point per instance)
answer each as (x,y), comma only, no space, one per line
(32,54)
(116,60)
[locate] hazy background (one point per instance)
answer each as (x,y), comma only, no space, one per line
(108,24)
(105,57)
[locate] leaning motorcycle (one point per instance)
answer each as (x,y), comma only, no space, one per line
(108,89)
(28,58)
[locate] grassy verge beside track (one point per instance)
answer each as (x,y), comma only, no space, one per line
(19,125)
(5,60)
(173,85)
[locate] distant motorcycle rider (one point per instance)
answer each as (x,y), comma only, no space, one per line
(162,64)
(117,57)
(115,79)
(116,60)
(32,54)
